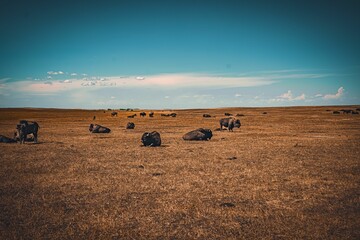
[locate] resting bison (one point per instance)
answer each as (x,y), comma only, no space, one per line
(130,125)
(113,114)
(5,139)
(336,112)
(198,135)
(206,115)
(240,115)
(229,123)
(142,114)
(151,139)
(227,114)
(151,114)
(26,127)
(95,128)
(132,116)
(172,114)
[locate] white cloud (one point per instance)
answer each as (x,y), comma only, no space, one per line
(55,73)
(140,78)
(238,95)
(339,93)
(73,74)
(166,97)
(112,97)
(318,95)
(288,96)
(66,81)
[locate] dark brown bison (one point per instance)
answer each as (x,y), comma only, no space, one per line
(172,114)
(94,117)
(227,114)
(5,139)
(132,116)
(151,114)
(165,115)
(143,114)
(198,135)
(151,139)
(336,112)
(229,123)
(240,115)
(26,127)
(114,114)
(95,128)
(354,112)
(130,125)
(206,115)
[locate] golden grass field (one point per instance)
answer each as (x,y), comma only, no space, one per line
(296,176)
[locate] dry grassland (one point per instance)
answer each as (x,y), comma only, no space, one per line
(292,173)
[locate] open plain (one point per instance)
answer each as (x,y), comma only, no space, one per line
(292,173)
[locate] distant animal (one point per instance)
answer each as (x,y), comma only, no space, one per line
(239,115)
(173,114)
(358,109)
(347,111)
(113,114)
(151,114)
(151,139)
(206,115)
(354,112)
(264,113)
(95,128)
(5,139)
(94,117)
(142,114)
(130,125)
(165,115)
(229,123)
(227,114)
(198,135)
(336,112)
(132,116)
(27,127)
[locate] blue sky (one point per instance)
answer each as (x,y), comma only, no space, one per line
(179,54)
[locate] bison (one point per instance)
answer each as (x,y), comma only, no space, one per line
(95,128)
(336,112)
(206,115)
(198,135)
(172,114)
(151,114)
(143,114)
(130,125)
(5,139)
(132,116)
(227,114)
(26,127)
(114,114)
(229,123)
(151,139)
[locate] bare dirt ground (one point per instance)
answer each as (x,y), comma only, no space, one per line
(292,173)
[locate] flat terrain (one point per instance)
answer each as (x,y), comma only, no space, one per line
(292,173)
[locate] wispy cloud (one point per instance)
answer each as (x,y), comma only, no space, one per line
(55,73)
(337,95)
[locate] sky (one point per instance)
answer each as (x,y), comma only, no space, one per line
(179,54)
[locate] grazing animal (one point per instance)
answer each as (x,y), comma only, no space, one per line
(227,114)
(130,125)
(151,139)
(172,114)
(95,128)
(113,114)
(165,115)
(151,114)
(229,123)
(94,117)
(200,134)
(206,115)
(336,112)
(26,127)
(5,139)
(132,116)
(143,114)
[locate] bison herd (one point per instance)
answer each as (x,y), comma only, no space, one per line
(23,129)
(153,139)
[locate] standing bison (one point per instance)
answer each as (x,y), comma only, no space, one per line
(198,135)
(95,128)
(143,114)
(114,114)
(130,125)
(151,114)
(229,123)
(26,127)
(151,139)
